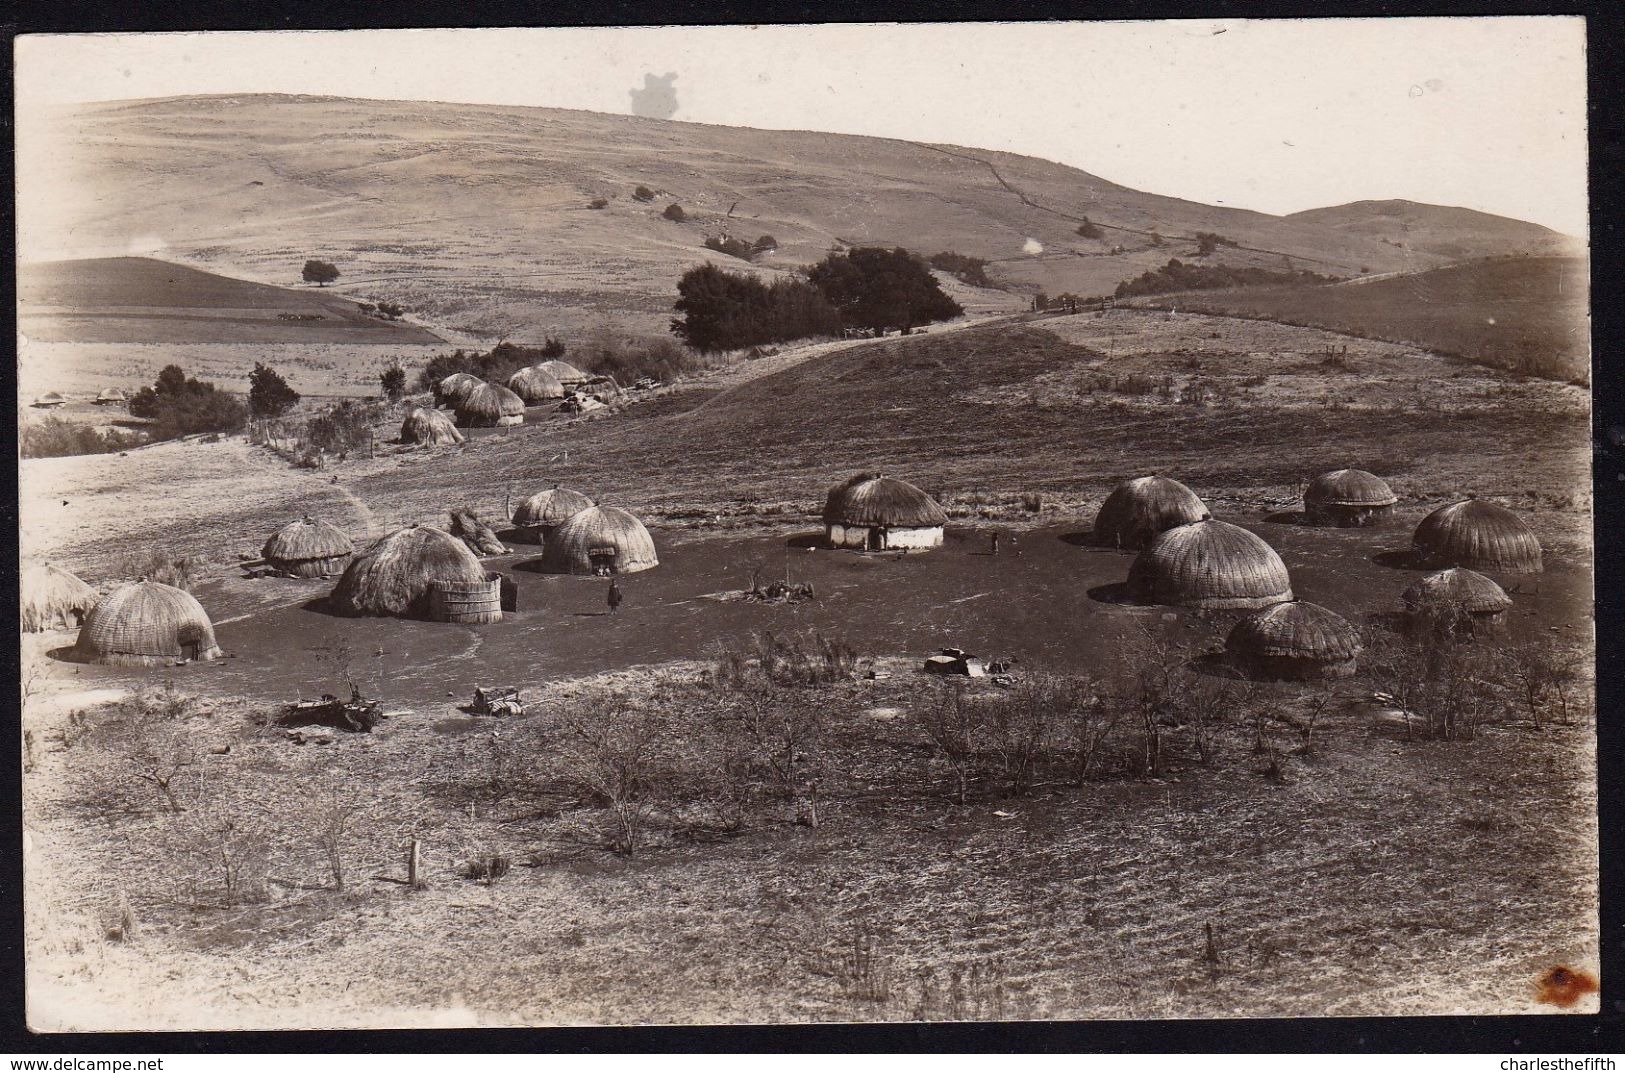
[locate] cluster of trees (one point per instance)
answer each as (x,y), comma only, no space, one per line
(1207,242)
(866,287)
(738,247)
(972,270)
(495,365)
(55,437)
(179,405)
(1176,275)
(383,310)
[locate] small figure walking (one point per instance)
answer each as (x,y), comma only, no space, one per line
(615,596)
(993,543)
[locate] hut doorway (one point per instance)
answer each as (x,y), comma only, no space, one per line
(877,538)
(602,561)
(191,644)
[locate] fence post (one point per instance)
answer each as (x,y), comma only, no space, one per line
(414,867)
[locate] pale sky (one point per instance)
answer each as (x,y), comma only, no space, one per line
(1486,113)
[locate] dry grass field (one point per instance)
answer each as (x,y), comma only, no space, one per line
(478,217)
(1344,868)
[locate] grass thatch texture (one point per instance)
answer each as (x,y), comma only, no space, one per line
(393,576)
(53,599)
(1139,509)
(873,499)
(1297,631)
(488,406)
(608,533)
(548,509)
(1467,590)
(1349,488)
(146,623)
(565,373)
(309,547)
(456,387)
(1478,535)
(1212,565)
(535,384)
(430,427)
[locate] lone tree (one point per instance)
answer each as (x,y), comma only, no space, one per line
(320,273)
(268,394)
(393,381)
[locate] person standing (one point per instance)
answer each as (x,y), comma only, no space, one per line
(993,543)
(615,595)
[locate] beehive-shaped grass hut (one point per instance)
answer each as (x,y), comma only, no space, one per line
(535,384)
(455,388)
(1138,510)
(490,406)
(1461,602)
(430,427)
(871,512)
(53,599)
(1478,536)
(308,548)
(599,540)
(1295,640)
(538,517)
(565,373)
(146,624)
(110,395)
(1210,565)
(397,575)
(1348,499)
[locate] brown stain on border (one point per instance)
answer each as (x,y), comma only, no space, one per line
(1563,986)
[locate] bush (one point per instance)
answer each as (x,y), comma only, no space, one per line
(643,193)
(598,203)
(733,247)
(722,310)
(1089,229)
(268,394)
(630,360)
(552,348)
(878,289)
(157,565)
(971,270)
(1207,242)
(674,212)
(54,437)
(1179,276)
(393,382)
(181,406)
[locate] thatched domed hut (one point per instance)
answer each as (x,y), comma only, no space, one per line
(1348,499)
(1479,536)
(397,574)
(538,517)
(430,427)
(146,624)
(308,548)
(53,599)
(50,401)
(1294,640)
(110,395)
(535,384)
(869,512)
(490,406)
(599,540)
(565,373)
(455,388)
(1210,565)
(1461,602)
(1137,510)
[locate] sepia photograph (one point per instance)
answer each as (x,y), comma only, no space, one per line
(806,524)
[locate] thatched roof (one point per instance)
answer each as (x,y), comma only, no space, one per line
(307,539)
(565,373)
(53,599)
(1479,536)
(145,623)
(50,398)
(392,577)
(481,540)
(1465,589)
(455,388)
(871,499)
(1211,564)
(488,405)
(586,532)
(1137,510)
(536,384)
(1295,630)
(429,427)
(551,507)
(111,394)
(1349,488)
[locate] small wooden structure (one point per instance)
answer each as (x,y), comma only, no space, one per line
(460,601)
(498,700)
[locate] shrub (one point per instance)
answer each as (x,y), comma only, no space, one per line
(598,203)
(1179,276)
(552,348)
(674,212)
(721,310)
(643,193)
(1207,242)
(972,270)
(733,247)
(630,360)
(393,382)
(179,406)
(54,437)
(1089,229)
(158,565)
(268,394)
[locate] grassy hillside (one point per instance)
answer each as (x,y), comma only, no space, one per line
(1523,313)
(1440,229)
(478,216)
(141,300)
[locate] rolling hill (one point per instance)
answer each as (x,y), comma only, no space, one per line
(1524,313)
(478,217)
(141,300)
